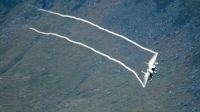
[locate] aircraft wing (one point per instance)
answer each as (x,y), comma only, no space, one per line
(146,76)
(151,62)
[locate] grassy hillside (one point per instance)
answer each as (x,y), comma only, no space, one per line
(47,73)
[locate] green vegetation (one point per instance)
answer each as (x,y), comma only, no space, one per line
(36,71)
(161,4)
(190,9)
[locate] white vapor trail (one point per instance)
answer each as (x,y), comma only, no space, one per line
(72,17)
(117,61)
(151,62)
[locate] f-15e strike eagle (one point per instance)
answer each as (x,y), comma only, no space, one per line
(151,69)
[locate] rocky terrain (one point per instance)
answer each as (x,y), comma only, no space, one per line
(47,73)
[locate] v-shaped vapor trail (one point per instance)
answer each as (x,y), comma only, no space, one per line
(95,25)
(79,43)
(101,28)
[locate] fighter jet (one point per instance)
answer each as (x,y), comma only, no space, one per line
(152,64)
(151,69)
